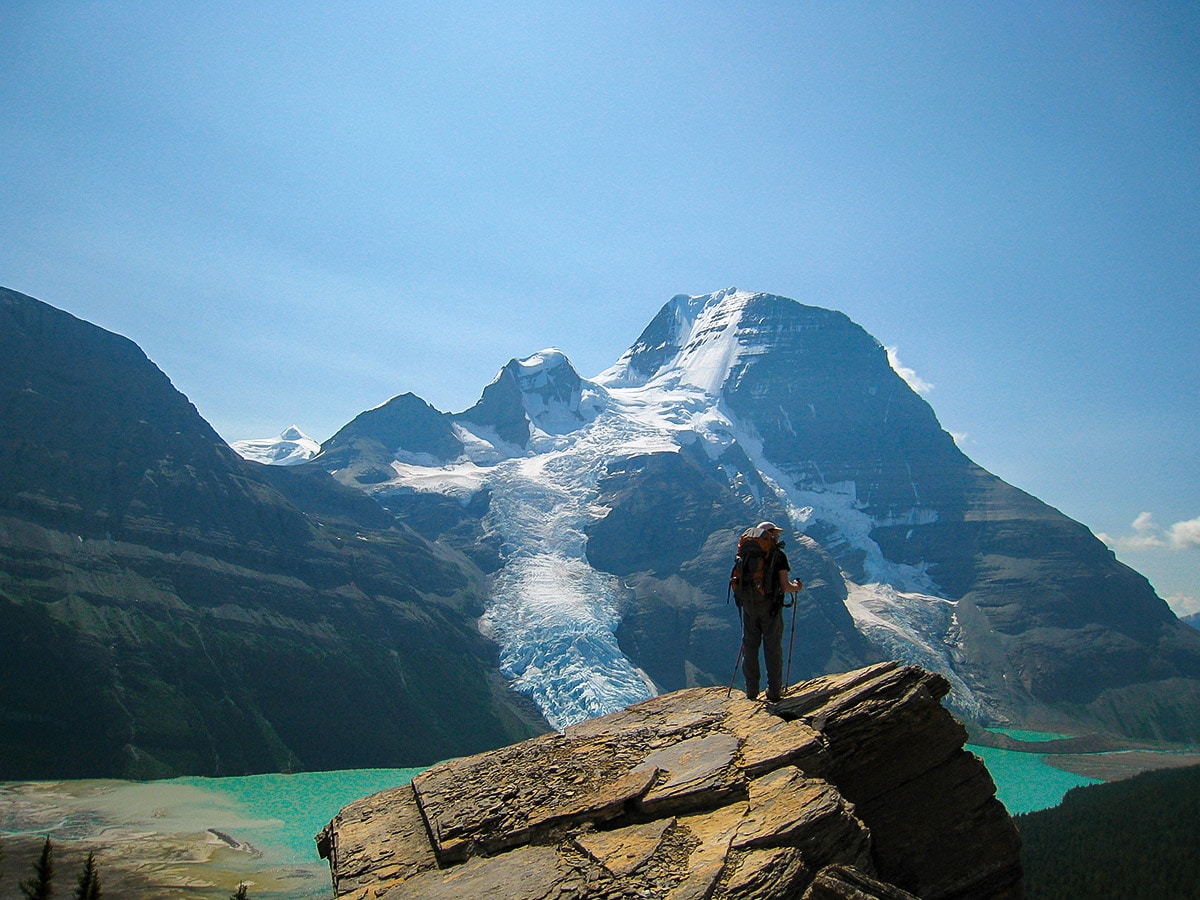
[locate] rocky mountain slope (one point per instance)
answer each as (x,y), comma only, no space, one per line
(854,786)
(605,511)
(168,608)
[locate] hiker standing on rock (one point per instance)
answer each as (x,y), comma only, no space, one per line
(759,581)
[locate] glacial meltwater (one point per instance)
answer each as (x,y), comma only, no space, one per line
(284,812)
(185,837)
(200,837)
(1025,782)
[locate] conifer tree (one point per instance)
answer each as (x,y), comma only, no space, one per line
(243,893)
(89,880)
(41,885)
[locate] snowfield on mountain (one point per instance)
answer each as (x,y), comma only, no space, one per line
(729,408)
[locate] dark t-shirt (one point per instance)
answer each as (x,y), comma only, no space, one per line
(779,564)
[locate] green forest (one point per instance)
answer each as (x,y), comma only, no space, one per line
(1138,838)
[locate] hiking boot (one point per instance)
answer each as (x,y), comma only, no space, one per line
(774,696)
(751,695)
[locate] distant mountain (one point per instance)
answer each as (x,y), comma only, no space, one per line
(1193,620)
(167,607)
(557,550)
(605,511)
(291,448)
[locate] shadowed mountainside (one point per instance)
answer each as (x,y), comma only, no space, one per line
(168,608)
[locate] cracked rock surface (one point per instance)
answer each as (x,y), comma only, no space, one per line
(853,786)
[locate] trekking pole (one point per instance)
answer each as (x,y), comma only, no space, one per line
(741,650)
(791,641)
(736,666)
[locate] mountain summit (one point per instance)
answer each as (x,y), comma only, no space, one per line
(291,448)
(535,398)
(168,607)
(605,511)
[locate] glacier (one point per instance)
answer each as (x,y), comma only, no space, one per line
(553,616)
(290,448)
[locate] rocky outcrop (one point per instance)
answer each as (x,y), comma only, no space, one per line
(852,786)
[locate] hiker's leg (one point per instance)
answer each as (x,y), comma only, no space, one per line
(751,639)
(772,639)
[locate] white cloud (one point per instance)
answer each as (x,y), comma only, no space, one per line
(1183,604)
(1133,542)
(1147,535)
(1144,523)
(915,381)
(1186,534)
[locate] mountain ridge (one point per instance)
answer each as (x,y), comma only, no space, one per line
(794,413)
(196,612)
(168,608)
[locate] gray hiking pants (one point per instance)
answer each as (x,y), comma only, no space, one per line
(761,626)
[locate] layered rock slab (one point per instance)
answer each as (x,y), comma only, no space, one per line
(854,785)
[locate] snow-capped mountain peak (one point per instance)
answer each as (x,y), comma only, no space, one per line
(533,397)
(290,448)
(555,398)
(680,340)
(698,341)
(604,511)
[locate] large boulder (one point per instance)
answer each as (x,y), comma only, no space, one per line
(852,786)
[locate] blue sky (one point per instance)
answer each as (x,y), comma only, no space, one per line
(299,209)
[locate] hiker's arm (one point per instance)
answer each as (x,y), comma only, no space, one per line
(786,585)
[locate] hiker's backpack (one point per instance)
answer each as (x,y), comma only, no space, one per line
(750,580)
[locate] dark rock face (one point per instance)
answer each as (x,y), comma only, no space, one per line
(363,450)
(1050,629)
(1038,623)
(852,786)
(662,338)
(167,608)
(501,408)
(826,403)
(678,631)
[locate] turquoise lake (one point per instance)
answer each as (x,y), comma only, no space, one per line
(184,825)
(293,808)
(1024,783)
(289,810)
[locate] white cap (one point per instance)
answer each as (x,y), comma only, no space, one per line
(763,528)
